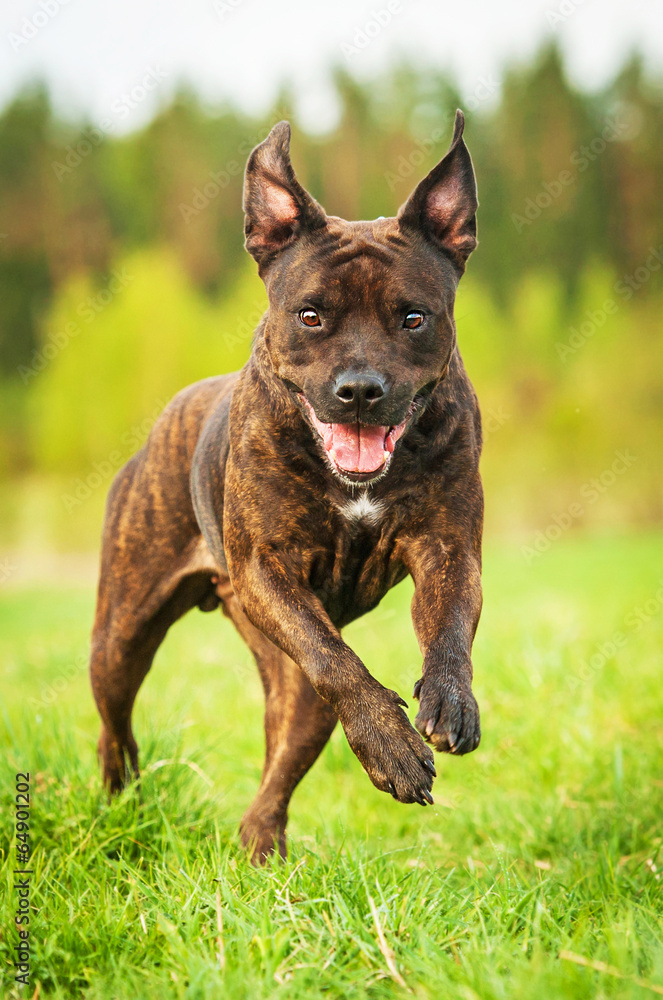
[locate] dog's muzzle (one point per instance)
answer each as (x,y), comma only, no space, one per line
(355,450)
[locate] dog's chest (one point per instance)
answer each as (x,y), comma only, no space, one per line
(363,510)
(358,563)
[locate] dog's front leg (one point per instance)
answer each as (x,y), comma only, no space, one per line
(445,613)
(286,610)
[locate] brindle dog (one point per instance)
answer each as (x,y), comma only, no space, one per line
(296,492)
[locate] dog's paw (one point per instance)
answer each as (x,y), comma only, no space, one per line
(393,755)
(448,715)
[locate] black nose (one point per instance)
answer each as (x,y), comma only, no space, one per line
(359,390)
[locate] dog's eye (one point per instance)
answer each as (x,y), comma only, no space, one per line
(413,320)
(309,317)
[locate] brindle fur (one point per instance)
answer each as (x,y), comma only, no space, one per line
(232,501)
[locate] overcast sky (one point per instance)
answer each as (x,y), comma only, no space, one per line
(95,53)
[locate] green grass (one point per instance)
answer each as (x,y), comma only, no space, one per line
(544,841)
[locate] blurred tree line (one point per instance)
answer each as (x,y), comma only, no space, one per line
(122,273)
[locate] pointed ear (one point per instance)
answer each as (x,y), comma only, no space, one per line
(444,204)
(277,208)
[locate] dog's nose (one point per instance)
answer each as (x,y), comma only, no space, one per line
(359,390)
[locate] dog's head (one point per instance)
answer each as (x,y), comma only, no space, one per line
(360,325)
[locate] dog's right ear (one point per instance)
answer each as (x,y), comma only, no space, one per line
(277,208)
(444,204)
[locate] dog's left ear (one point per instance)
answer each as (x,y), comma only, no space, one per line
(277,208)
(444,204)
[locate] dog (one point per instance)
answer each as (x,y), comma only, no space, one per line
(296,492)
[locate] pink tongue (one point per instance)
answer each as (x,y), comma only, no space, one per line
(355,447)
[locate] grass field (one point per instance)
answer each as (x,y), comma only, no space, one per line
(534,875)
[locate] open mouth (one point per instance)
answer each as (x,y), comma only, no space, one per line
(358,452)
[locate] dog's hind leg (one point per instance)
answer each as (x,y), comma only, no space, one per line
(298,724)
(122,655)
(155,567)
(123,648)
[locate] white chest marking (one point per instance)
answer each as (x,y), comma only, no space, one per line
(363,509)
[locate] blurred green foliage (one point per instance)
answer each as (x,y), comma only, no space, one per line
(156,334)
(123,278)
